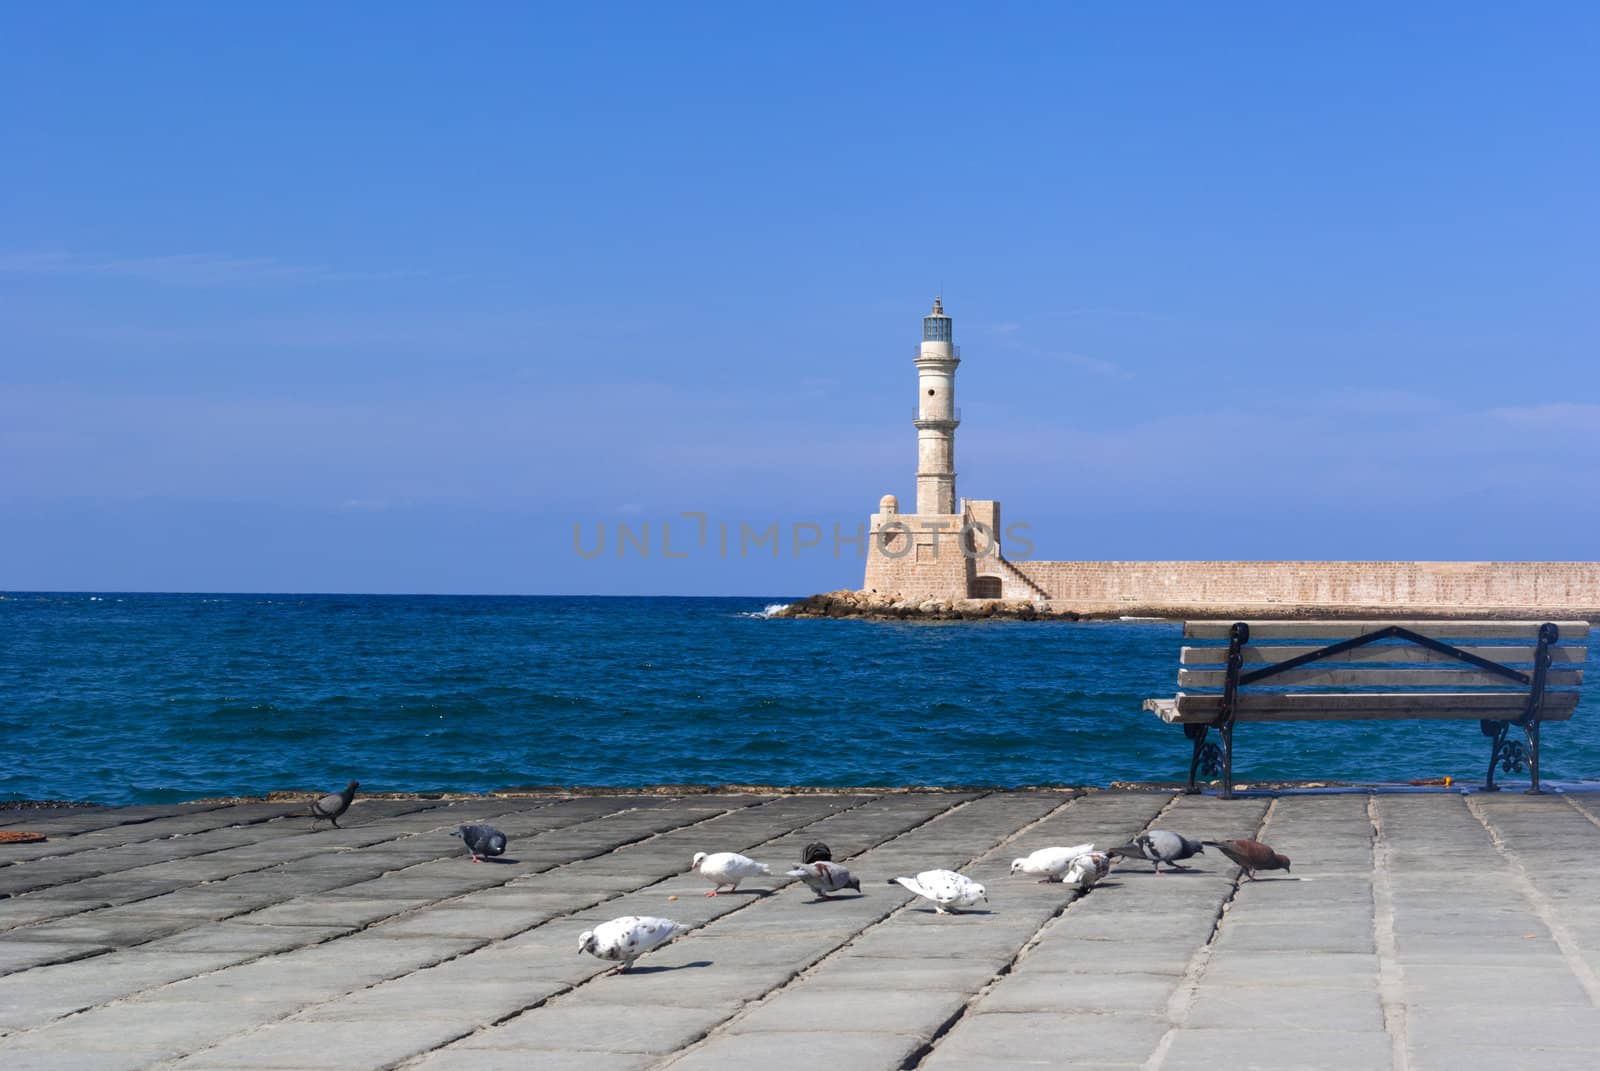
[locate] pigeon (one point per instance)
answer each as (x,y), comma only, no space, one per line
(726,868)
(825,877)
(1159,846)
(1251,855)
(948,890)
(481,841)
(331,807)
(817,852)
(1086,869)
(1049,864)
(628,938)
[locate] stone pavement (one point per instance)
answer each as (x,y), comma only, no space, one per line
(1416,931)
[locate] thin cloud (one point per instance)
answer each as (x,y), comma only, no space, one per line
(1558,416)
(176,269)
(1099,367)
(1084,363)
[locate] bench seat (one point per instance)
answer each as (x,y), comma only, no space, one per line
(1497,673)
(1312,706)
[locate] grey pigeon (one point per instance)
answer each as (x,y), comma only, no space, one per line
(482,841)
(331,807)
(817,852)
(1160,846)
(825,877)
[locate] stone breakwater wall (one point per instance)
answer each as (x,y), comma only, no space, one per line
(1455,587)
(1071,590)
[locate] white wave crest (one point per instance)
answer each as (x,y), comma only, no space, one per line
(767,611)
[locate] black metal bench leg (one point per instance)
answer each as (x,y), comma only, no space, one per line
(1497,731)
(1197,733)
(1532,732)
(1226,732)
(1209,760)
(1512,756)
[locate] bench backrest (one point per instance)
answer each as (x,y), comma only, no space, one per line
(1328,670)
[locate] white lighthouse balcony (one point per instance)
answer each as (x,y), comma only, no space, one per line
(955,353)
(953,418)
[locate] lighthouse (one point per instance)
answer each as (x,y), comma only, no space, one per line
(947,547)
(936,415)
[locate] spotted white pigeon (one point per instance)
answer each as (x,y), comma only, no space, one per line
(948,890)
(825,877)
(628,938)
(1049,864)
(726,868)
(1088,868)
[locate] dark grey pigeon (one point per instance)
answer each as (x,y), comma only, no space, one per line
(825,877)
(331,807)
(1160,846)
(817,852)
(481,841)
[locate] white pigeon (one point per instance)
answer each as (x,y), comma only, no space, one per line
(948,890)
(1049,864)
(1087,869)
(726,868)
(628,938)
(825,877)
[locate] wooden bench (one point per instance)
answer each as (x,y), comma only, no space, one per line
(1514,673)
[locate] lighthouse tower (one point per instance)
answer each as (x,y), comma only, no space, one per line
(932,553)
(937,416)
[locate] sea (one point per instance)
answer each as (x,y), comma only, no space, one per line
(159,698)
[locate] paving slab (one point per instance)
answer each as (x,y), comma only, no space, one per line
(800,1052)
(1278,1050)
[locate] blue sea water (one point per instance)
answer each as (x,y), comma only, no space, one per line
(138,698)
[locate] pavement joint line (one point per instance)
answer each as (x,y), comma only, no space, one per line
(800,975)
(757,804)
(1183,998)
(1566,798)
(1571,950)
(354,930)
(917,1058)
(1391,976)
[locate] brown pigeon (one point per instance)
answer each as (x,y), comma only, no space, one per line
(1251,855)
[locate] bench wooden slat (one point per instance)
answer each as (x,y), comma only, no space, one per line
(1186,709)
(1351,677)
(1340,630)
(1400,652)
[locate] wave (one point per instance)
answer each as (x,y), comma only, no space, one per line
(766,611)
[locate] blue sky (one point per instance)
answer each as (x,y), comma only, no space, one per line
(390,297)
